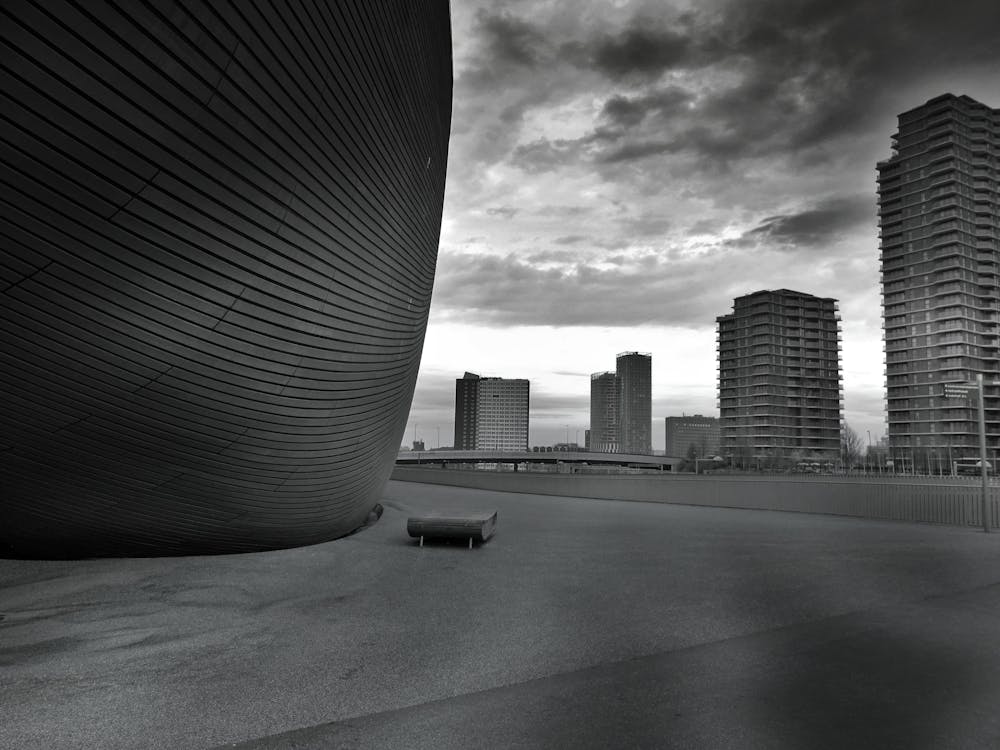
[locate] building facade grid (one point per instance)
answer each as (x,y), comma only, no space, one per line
(939,228)
(604,412)
(633,371)
(682,434)
(502,420)
(466,411)
(780,378)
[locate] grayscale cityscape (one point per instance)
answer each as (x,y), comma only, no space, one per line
(311,436)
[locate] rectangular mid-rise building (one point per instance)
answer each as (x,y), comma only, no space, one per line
(502,417)
(684,434)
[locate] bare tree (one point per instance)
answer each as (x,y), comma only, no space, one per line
(851,445)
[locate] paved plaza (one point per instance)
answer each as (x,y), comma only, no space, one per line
(582,623)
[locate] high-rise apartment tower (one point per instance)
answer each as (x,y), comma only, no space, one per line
(939,223)
(633,372)
(779,379)
(466,411)
(604,412)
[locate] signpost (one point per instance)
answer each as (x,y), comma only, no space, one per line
(962,390)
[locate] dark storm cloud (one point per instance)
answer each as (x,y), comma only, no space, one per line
(508,49)
(511,40)
(775,78)
(641,49)
(814,70)
(545,155)
(819,225)
(628,111)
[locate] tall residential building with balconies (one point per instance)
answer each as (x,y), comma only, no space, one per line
(604,412)
(633,372)
(466,411)
(939,223)
(779,379)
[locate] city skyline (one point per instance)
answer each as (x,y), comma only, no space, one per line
(618,175)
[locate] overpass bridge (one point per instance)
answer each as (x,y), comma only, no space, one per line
(446,457)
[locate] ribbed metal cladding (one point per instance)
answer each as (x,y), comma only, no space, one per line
(218,236)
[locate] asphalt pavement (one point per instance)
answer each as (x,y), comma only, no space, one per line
(582,623)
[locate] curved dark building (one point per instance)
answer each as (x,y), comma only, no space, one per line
(217,245)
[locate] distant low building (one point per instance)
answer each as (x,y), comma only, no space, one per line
(557,448)
(683,433)
(418,445)
(566,447)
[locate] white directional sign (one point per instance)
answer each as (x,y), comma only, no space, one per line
(959,390)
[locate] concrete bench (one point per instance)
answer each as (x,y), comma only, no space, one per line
(472,525)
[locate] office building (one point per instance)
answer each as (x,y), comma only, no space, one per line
(697,432)
(502,414)
(633,373)
(779,379)
(939,224)
(491,413)
(466,411)
(603,412)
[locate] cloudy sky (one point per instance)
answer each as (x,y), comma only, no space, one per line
(620,171)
